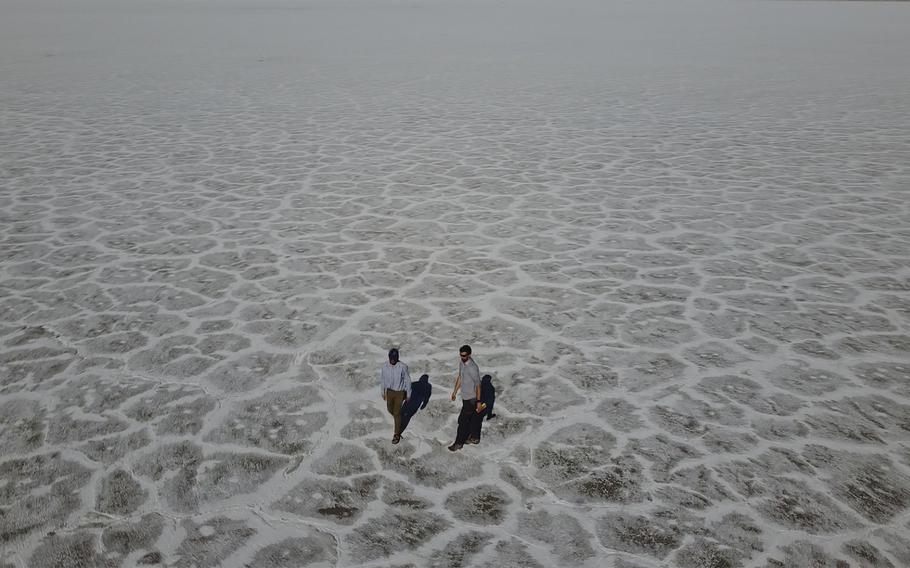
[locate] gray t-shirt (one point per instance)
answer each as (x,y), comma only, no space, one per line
(470,379)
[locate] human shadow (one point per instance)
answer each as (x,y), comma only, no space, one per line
(420,396)
(487,396)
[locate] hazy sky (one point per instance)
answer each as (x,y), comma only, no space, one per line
(55,44)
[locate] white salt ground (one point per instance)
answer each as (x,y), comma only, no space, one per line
(675,233)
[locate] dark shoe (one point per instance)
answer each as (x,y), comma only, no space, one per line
(472,441)
(491,417)
(455,447)
(396,438)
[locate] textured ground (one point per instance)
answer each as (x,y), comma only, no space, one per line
(681,248)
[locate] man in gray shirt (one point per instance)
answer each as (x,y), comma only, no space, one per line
(395,388)
(468,380)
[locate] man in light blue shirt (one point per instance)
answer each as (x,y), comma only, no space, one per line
(395,388)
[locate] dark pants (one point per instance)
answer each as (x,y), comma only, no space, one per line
(468,421)
(393,402)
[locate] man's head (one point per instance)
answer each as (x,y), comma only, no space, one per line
(465,352)
(393,355)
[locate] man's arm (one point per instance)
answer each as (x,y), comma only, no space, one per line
(381,385)
(407,382)
(457,386)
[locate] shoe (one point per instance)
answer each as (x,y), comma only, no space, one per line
(396,438)
(455,447)
(472,441)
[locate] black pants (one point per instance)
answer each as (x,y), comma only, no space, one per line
(469,421)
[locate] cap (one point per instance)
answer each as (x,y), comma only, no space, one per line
(393,353)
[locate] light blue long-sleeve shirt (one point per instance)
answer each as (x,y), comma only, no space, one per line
(395,377)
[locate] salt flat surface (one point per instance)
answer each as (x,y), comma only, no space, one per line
(677,235)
